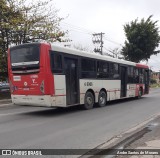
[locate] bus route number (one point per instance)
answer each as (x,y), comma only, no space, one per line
(88,84)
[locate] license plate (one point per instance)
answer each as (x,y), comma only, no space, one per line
(25,89)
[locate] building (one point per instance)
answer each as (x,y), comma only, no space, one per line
(156,76)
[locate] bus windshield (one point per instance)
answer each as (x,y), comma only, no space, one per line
(26,55)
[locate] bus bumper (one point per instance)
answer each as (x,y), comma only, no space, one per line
(44,100)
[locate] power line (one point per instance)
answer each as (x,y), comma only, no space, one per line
(78,28)
(89,32)
(111,55)
(79,31)
(86,31)
(105,38)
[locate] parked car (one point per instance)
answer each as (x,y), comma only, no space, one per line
(4,86)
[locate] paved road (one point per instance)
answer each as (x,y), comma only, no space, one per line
(38,127)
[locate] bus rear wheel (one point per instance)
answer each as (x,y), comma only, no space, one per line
(102,99)
(88,101)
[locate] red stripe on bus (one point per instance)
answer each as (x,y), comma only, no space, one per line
(114,90)
(60,95)
(107,91)
(95,92)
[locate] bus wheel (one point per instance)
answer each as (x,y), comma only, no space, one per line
(88,101)
(139,93)
(102,99)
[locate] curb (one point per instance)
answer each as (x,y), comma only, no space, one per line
(6,105)
(121,138)
(5,102)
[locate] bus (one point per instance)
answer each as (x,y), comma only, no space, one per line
(43,74)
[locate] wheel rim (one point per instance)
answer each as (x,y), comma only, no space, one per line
(89,100)
(102,100)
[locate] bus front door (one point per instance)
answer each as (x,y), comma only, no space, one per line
(71,66)
(123,81)
(146,81)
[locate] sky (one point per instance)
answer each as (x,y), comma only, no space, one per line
(82,18)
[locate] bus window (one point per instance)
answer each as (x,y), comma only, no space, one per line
(25,58)
(56,62)
(25,54)
(114,71)
(88,68)
(141,75)
(136,76)
(130,75)
(102,69)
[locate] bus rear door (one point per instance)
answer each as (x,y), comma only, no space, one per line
(72,81)
(123,81)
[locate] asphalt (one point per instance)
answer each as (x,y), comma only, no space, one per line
(141,141)
(4,103)
(149,142)
(72,128)
(146,143)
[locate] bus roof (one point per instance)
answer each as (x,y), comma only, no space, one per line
(94,55)
(88,54)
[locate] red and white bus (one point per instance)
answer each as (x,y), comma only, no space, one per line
(43,74)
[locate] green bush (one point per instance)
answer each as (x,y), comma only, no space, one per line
(153,81)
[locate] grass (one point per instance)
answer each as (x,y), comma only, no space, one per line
(155,85)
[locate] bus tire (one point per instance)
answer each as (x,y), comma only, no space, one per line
(88,101)
(102,99)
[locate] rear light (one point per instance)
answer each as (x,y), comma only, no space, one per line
(42,87)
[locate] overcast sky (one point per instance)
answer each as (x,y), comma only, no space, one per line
(83,17)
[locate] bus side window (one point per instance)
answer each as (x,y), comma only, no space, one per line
(136,75)
(102,69)
(114,71)
(130,75)
(141,75)
(56,63)
(88,68)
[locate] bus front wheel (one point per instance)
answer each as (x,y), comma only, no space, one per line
(102,99)
(88,101)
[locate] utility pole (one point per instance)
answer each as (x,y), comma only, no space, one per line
(98,41)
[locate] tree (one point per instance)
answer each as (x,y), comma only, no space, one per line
(22,22)
(39,22)
(7,21)
(142,40)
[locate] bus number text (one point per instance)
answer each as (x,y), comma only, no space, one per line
(88,84)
